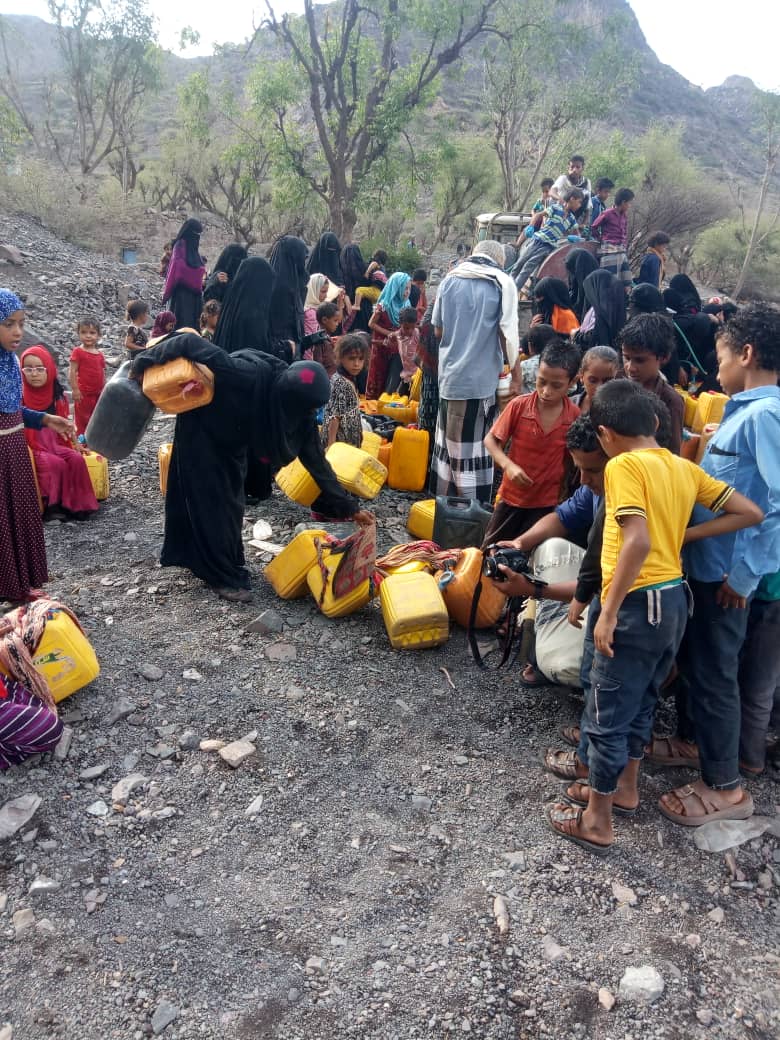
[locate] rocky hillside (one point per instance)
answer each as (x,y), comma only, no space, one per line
(718,121)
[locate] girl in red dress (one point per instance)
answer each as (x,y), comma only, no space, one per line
(62,472)
(87,372)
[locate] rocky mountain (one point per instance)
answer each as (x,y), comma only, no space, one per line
(718,122)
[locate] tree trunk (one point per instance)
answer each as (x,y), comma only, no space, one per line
(771,163)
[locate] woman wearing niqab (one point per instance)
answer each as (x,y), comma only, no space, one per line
(326,259)
(244,318)
(224,271)
(183,290)
(288,260)
(261,406)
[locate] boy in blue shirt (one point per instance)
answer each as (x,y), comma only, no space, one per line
(725,572)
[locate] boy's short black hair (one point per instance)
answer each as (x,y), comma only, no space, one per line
(652,332)
(623,195)
(604,184)
(759,325)
(407,316)
(560,353)
(353,343)
(538,336)
(88,322)
(625,408)
(581,436)
(547,182)
(137,308)
(380,256)
(658,238)
(577,158)
(420,275)
(574,193)
(329,309)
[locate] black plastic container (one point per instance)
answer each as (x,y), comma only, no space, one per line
(459,522)
(122,414)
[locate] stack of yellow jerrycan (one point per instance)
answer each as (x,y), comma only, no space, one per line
(64,655)
(164,463)
(179,385)
(398,407)
(97,467)
(287,572)
(413,611)
(357,471)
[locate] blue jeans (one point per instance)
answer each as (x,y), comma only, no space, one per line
(620,703)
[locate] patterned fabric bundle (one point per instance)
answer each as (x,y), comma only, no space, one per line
(428,552)
(20,635)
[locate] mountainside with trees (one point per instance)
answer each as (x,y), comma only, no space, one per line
(405,119)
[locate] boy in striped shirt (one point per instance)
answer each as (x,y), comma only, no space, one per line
(560,223)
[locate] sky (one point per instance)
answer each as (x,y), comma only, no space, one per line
(705,40)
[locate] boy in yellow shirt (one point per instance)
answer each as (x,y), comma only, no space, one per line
(650,495)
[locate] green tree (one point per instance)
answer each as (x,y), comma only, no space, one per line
(217,162)
(359,73)
(110,63)
(768,111)
(465,177)
(543,80)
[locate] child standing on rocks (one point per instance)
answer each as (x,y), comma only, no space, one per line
(136,338)
(87,372)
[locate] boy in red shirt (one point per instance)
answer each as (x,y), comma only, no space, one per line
(533,429)
(87,372)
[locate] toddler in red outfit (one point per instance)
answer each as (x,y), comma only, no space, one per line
(87,372)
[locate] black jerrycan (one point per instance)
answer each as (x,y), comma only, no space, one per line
(460,522)
(121,415)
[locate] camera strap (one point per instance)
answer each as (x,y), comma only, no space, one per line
(514,606)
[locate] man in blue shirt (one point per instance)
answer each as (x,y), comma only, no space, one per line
(724,572)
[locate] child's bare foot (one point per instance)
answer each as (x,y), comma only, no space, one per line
(624,803)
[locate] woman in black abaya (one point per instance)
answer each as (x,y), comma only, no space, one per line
(694,333)
(606,299)
(243,320)
(224,271)
(259,405)
(326,259)
(354,268)
(288,259)
(579,264)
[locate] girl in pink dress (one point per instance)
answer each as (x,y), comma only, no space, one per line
(62,472)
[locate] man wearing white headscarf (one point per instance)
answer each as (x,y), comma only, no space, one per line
(475,318)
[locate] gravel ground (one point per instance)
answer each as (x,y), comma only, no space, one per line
(340,882)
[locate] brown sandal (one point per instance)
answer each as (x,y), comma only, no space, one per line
(668,751)
(563,820)
(563,764)
(581,800)
(743,809)
(571,734)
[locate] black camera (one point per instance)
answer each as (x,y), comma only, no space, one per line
(515,559)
